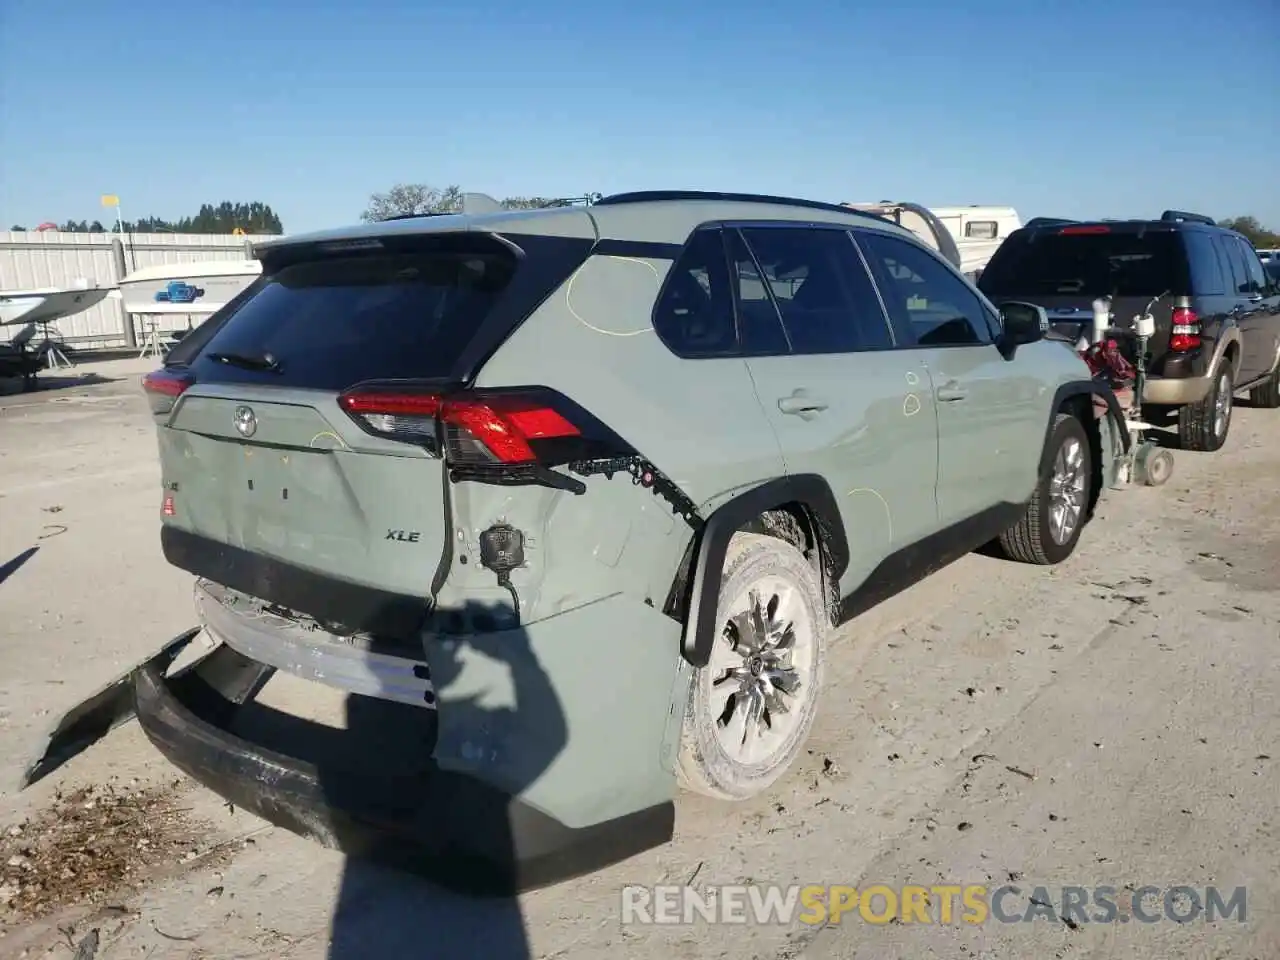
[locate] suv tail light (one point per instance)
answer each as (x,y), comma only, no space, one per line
(164,387)
(499,428)
(1186,330)
(509,436)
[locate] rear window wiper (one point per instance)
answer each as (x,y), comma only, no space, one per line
(264,361)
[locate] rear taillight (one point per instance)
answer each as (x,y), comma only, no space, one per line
(501,428)
(1185,334)
(510,436)
(163,387)
(1084,230)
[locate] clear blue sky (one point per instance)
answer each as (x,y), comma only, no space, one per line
(1089,107)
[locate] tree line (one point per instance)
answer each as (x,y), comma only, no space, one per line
(225,217)
(419,199)
(1253,231)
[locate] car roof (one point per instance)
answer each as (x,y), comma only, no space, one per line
(655,216)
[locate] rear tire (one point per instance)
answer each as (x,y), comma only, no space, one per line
(742,729)
(1041,536)
(1267,393)
(1204,426)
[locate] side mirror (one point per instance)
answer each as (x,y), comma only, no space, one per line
(1023,323)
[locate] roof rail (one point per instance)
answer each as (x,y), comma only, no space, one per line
(416,216)
(656,196)
(1047,221)
(1175,215)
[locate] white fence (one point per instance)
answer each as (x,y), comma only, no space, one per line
(31,260)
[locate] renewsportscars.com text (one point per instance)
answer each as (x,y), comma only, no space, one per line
(815,904)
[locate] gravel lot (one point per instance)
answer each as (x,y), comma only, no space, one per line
(1134,692)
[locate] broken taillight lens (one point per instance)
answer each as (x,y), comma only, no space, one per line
(499,428)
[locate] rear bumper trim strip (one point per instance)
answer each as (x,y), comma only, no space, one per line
(361,608)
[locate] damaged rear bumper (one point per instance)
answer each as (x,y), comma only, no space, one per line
(449,826)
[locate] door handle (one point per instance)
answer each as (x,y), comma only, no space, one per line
(951,391)
(801,404)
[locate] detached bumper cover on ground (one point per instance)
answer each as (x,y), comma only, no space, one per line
(450,827)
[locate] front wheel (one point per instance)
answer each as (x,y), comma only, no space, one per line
(750,709)
(1048,531)
(1204,425)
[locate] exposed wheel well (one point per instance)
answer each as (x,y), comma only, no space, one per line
(795,521)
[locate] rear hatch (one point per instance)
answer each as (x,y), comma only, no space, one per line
(277,481)
(1064,269)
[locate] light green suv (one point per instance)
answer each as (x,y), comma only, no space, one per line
(570,501)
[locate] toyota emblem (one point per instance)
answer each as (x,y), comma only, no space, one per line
(246,421)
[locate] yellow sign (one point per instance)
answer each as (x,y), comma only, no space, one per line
(110,200)
(237,232)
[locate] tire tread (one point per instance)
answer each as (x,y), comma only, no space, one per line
(1195,423)
(1267,394)
(1024,541)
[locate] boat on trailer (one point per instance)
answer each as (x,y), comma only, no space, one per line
(188,289)
(48,304)
(24,312)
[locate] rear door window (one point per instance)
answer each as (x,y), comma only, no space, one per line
(759,323)
(331,322)
(925,297)
(1117,264)
(819,286)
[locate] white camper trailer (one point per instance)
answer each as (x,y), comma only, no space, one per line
(976,231)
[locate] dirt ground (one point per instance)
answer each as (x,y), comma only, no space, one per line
(1113,721)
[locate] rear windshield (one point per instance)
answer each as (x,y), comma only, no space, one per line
(332,322)
(1117,264)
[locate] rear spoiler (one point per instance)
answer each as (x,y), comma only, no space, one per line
(892,210)
(1047,222)
(1173,216)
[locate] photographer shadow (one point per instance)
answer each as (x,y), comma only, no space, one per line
(435,876)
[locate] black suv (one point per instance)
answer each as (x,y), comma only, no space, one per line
(1217,323)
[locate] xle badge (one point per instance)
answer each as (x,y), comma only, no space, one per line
(403,536)
(246,421)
